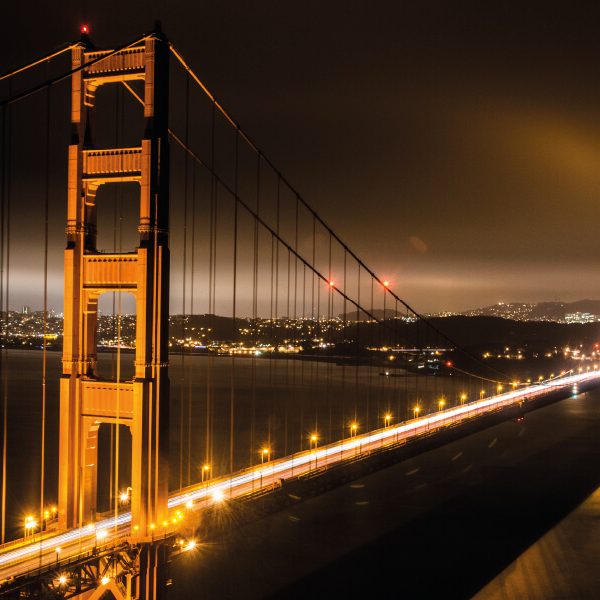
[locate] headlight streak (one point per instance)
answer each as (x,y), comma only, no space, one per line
(88,534)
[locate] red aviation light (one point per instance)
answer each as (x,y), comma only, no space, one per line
(85,29)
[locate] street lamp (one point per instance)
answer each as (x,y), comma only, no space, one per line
(314,439)
(125,496)
(30,525)
(205,471)
(386,419)
(441,403)
(481,394)
(353,429)
(463,398)
(416,410)
(265,453)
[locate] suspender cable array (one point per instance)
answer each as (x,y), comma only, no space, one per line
(299,342)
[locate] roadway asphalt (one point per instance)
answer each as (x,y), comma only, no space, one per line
(440,525)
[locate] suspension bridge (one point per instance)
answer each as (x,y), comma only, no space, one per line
(284,358)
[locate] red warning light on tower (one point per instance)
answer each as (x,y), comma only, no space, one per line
(85,29)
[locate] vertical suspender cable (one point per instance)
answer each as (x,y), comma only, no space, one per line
(45,309)
(183,283)
(189,378)
(209,387)
(192,269)
(234,306)
(255,309)
(4,291)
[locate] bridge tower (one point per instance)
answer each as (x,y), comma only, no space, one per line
(86,400)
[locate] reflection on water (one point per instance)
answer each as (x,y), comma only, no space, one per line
(222,412)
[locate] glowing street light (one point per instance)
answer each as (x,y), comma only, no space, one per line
(265,453)
(105,580)
(205,471)
(30,525)
(416,410)
(125,496)
(463,398)
(314,440)
(218,496)
(481,394)
(441,403)
(387,419)
(386,284)
(62,580)
(353,429)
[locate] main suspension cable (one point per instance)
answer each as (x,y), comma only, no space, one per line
(321,221)
(38,61)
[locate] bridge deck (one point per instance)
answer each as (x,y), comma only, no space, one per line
(20,557)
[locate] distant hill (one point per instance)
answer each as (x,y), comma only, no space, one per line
(580,311)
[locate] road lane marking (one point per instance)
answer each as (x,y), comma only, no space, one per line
(456,456)
(493,443)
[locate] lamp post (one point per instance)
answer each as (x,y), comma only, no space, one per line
(205,476)
(30,525)
(264,453)
(314,439)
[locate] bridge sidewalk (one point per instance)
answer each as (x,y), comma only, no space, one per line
(561,565)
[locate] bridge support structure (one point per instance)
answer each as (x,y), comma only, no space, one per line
(87,400)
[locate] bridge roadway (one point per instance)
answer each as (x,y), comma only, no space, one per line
(26,555)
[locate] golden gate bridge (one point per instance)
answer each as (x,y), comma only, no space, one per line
(323,370)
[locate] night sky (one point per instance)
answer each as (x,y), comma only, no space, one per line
(455,146)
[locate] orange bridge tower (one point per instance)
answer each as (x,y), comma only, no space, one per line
(87,400)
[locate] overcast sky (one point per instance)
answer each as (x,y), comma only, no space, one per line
(455,146)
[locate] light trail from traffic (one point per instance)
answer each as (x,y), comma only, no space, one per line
(30,554)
